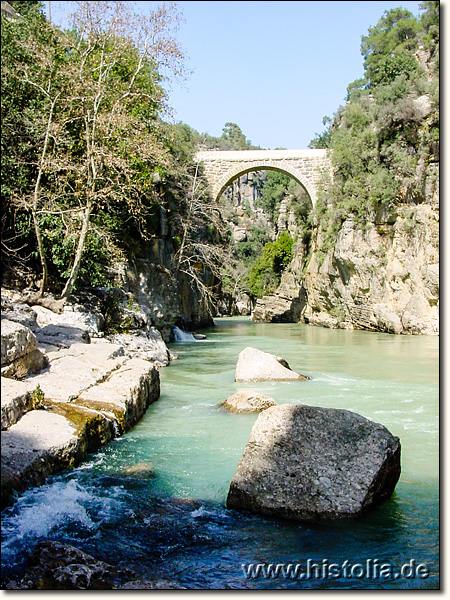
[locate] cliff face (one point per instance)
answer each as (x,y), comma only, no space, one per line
(167,298)
(383,276)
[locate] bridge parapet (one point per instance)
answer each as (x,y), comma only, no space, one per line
(305,166)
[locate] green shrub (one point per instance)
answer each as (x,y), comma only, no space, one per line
(37,398)
(265,274)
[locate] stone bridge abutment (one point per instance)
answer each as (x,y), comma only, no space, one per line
(305,166)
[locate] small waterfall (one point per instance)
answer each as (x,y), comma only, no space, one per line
(183,336)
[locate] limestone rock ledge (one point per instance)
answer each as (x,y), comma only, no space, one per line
(285,306)
(20,354)
(16,401)
(87,396)
(380,277)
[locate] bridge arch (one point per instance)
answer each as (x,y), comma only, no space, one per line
(305,166)
(237,172)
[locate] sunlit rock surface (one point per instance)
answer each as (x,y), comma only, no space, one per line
(256,365)
(248,401)
(310,463)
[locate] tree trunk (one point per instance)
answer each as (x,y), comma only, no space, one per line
(36,194)
(77,261)
(41,251)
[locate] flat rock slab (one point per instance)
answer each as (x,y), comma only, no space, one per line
(75,316)
(40,444)
(309,463)
(61,336)
(18,312)
(44,442)
(127,392)
(248,401)
(256,365)
(148,345)
(15,400)
(33,433)
(77,368)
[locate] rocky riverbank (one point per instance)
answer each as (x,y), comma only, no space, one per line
(66,389)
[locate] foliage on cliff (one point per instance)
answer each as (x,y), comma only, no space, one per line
(265,274)
(91,169)
(84,147)
(387,134)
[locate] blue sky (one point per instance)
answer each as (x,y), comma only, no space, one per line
(274,68)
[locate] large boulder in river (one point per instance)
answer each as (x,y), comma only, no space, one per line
(309,463)
(248,401)
(256,365)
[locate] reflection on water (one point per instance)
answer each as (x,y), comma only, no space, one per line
(174,525)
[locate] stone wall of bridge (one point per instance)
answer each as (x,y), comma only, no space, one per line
(305,166)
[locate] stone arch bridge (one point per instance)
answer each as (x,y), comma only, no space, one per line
(305,166)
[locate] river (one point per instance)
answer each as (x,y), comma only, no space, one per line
(169,521)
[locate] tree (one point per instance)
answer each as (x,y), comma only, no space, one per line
(32,58)
(322,140)
(265,274)
(117,110)
(101,141)
(387,46)
(234,138)
(202,251)
(381,136)
(275,187)
(430,24)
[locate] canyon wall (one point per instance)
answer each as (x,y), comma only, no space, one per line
(381,276)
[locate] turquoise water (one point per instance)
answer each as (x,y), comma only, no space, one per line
(174,524)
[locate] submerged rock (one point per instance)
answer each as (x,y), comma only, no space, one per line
(307,463)
(150,585)
(256,365)
(141,470)
(248,401)
(58,566)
